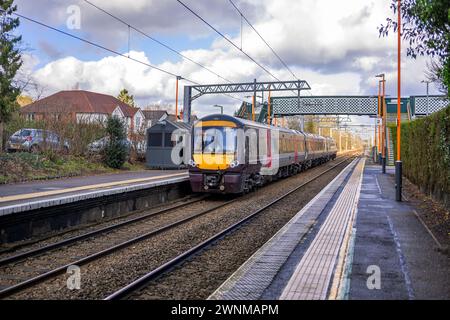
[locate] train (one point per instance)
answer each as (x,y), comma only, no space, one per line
(234,156)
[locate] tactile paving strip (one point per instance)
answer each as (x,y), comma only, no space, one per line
(258,272)
(312,276)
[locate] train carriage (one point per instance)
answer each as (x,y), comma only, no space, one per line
(232,155)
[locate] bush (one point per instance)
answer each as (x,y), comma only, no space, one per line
(116,150)
(78,135)
(425,152)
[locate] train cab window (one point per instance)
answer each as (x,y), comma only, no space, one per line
(215,140)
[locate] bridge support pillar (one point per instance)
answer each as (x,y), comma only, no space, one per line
(187,104)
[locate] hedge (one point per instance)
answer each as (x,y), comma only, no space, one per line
(425,152)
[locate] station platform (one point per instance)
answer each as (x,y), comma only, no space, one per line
(27,196)
(352,241)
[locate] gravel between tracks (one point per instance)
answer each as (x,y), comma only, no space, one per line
(102,277)
(10,249)
(200,277)
(33,266)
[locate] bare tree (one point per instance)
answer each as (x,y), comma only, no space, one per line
(26,83)
(293,123)
(160,106)
(434,74)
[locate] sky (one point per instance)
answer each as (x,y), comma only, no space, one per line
(334,45)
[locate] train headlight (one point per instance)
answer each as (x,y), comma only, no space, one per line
(192,163)
(234,164)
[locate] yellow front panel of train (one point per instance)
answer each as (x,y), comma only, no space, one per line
(213,161)
(216,123)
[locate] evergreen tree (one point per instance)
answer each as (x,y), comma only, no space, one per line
(310,125)
(10,63)
(125,97)
(117,149)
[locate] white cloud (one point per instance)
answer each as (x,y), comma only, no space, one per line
(366,63)
(29,62)
(109,75)
(334,45)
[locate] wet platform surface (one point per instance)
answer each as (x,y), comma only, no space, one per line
(390,239)
(352,241)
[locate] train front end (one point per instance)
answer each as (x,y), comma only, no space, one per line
(214,167)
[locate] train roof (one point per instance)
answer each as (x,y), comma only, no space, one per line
(244,122)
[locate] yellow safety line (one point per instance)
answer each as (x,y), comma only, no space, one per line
(338,284)
(93,186)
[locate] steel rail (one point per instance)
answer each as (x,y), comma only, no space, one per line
(168,266)
(42,277)
(65,242)
(59,270)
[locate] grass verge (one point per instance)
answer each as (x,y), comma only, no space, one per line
(24,166)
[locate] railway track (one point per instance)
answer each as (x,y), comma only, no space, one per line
(48,249)
(30,282)
(166,267)
(70,240)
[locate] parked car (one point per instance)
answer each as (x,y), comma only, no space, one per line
(98,145)
(140,148)
(34,140)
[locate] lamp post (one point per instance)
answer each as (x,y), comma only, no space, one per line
(398,163)
(176,97)
(383,125)
(378,126)
(254,101)
(218,106)
(254,96)
(375,153)
(428,104)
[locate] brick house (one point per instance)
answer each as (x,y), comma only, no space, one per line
(84,106)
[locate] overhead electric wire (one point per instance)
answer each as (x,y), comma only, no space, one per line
(155,40)
(262,38)
(227,39)
(97,45)
(110,50)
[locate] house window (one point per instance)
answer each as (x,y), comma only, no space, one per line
(138,122)
(30,116)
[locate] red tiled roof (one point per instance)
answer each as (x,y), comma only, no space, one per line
(79,101)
